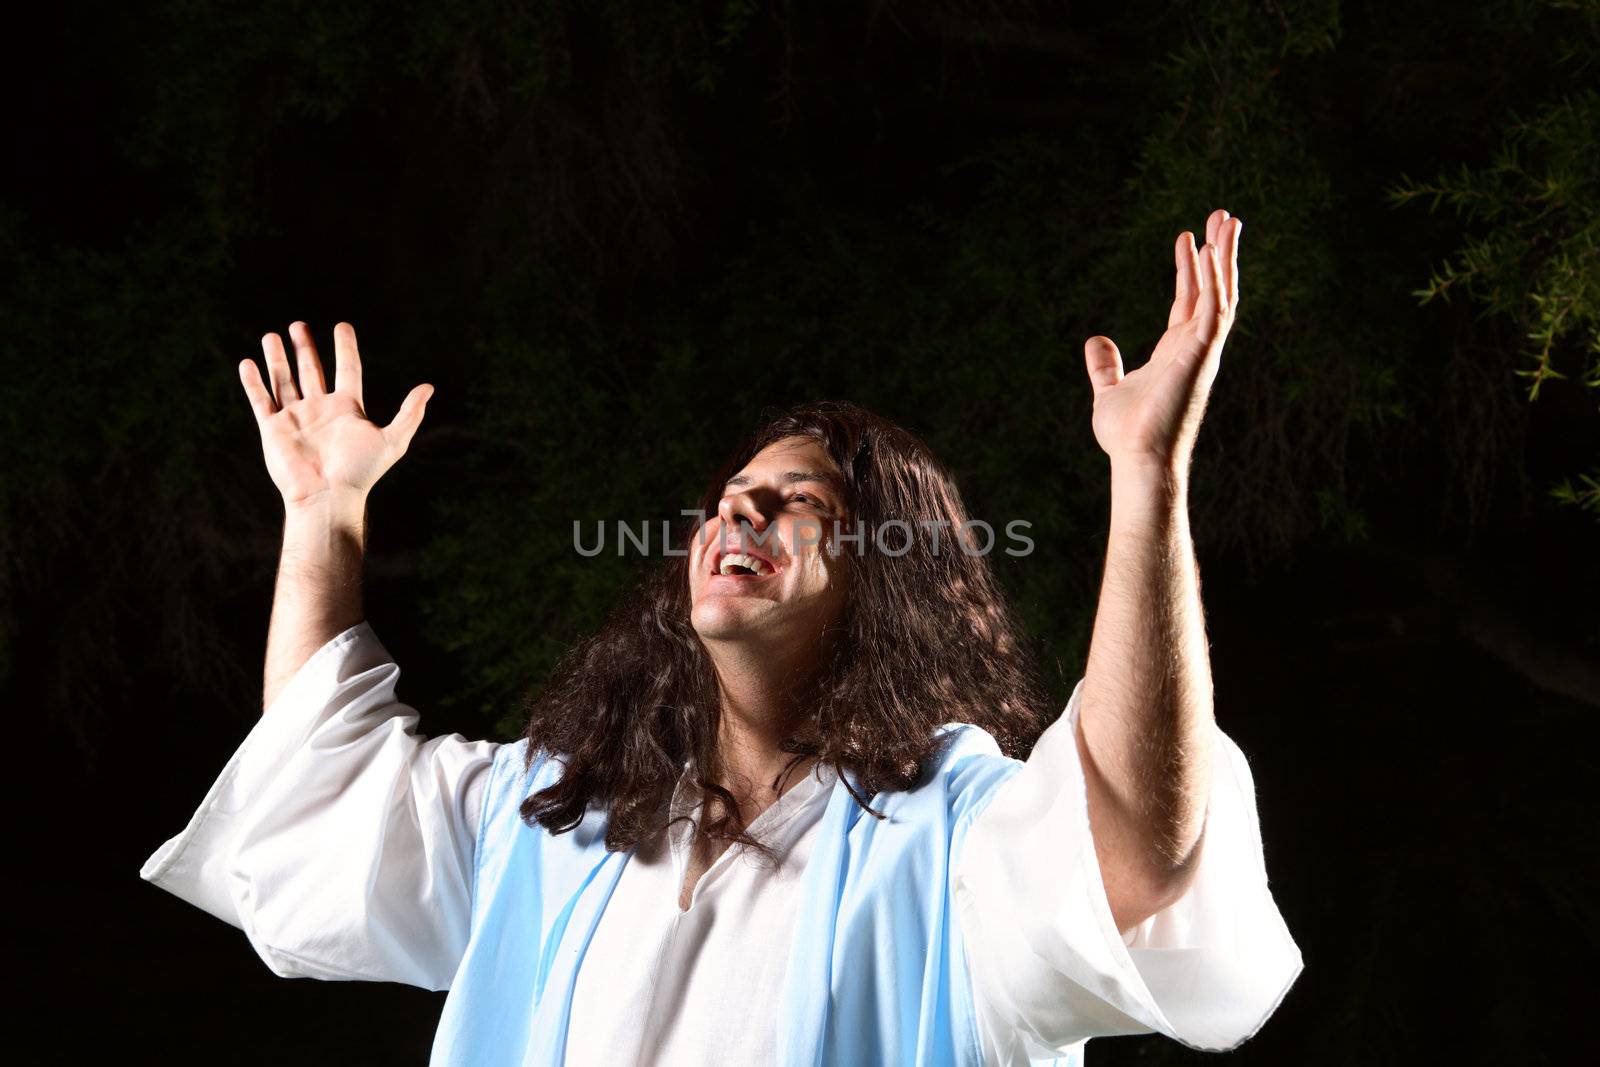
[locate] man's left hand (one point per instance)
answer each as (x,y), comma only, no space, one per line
(1148,419)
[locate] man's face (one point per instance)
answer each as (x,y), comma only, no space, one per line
(761,567)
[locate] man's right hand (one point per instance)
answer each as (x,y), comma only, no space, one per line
(320,445)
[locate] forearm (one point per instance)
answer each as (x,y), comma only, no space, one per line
(318,590)
(1146,708)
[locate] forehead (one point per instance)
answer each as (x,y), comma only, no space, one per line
(789,459)
(792,450)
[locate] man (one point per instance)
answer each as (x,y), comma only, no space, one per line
(789,686)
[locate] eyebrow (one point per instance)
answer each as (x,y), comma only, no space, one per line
(827,478)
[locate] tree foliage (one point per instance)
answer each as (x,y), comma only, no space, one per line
(612,234)
(1537,262)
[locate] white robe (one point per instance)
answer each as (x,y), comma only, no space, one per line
(342,843)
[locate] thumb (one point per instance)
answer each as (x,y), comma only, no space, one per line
(1104,362)
(405,423)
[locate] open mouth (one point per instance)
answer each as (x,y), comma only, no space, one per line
(739,565)
(743,565)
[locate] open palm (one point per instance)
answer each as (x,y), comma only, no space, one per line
(1151,415)
(320,443)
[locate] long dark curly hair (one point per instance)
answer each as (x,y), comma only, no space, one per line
(928,638)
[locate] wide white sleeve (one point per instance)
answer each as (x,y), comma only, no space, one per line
(1050,969)
(341,842)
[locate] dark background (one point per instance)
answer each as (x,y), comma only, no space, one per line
(611,234)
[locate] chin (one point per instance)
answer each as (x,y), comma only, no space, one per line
(723,617)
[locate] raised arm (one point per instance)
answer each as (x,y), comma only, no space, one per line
(1147,711)
(338,837)
(324,455)
(1116,883)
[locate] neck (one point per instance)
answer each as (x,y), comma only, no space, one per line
(764,698)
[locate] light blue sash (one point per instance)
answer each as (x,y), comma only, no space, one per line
(877,969)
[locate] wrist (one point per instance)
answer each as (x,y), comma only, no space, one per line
(326,532)
(1150,475)
(335,508)
(1147,495)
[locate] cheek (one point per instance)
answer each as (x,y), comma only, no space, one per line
(808,538)
(702,541)
(823,575)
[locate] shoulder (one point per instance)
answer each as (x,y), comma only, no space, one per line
(515,774)
(970,767)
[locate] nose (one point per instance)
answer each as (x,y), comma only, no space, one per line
(738,509)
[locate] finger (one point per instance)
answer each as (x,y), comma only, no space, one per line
(254,388)
(1188,284)
(1233,264)
(278,372)
(1214,223)
(305,352)
(1104,362)
(347,361)
(404,427)
(1219,278)
(1208,314)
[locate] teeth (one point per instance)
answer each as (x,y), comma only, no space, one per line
(738,559)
